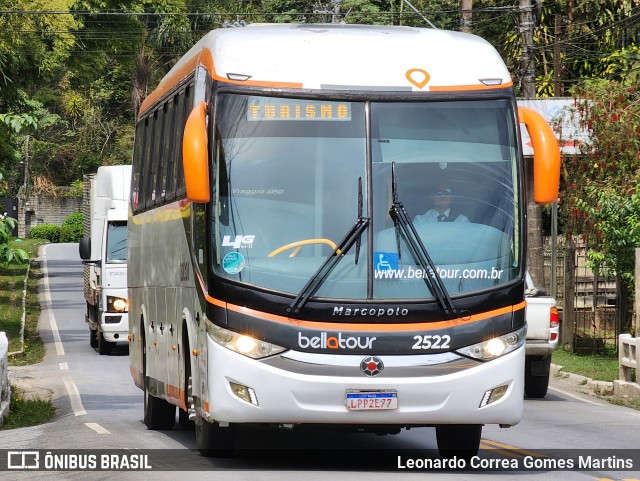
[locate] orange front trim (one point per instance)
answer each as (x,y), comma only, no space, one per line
(453,88)
(350,326)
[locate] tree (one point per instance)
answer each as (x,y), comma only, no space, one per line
(601,197)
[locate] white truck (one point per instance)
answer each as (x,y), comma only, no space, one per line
(103,249)
(543,325)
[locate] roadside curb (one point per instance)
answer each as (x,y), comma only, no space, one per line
(603,388)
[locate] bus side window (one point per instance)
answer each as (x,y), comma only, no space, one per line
(169,147)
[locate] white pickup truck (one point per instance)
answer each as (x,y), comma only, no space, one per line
(543,325)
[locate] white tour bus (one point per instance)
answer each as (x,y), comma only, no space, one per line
(283,268)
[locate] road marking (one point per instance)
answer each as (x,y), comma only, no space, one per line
(97,428)
(64,366)
(74,395)
(47,296)
(518,451)
(576,397)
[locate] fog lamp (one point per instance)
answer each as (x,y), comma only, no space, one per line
(492,395)
(244,392)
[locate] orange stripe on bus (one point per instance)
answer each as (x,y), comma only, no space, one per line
(201,58)
(205,59)
(453,88)
(346,326)
(176,394)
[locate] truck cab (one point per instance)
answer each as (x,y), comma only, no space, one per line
(103,250)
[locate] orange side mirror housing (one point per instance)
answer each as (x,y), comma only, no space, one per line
(546,156)
(195,155)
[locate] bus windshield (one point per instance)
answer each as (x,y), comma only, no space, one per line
(292,176)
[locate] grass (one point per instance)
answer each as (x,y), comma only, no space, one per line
(599,367)
(11,288)
(25,412)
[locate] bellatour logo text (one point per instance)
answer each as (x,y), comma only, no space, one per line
(324,341)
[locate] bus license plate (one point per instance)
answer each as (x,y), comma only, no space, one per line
(371,400)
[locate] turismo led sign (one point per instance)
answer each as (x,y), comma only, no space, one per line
(267,108)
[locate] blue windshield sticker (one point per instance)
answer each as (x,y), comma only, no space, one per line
(233,262)
(385,261)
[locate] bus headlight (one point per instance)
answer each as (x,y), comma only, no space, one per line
(245,345)
(116,304)
(495,347)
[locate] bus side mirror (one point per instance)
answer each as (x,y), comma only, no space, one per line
(195,156)
(546,156)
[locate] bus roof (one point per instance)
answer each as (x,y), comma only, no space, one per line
(345,57)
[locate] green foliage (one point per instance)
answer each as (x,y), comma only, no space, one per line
(17,122)
(601,200)
(9,254)
(75,190)
(72,228)
(50,232)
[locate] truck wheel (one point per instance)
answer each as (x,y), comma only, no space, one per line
(214,441)
(460,440)
(93,338)
(158,413)
(104,346)
(536,377)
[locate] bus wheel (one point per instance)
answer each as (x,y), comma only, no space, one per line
(212,440)
(460,440)
(104,346)
(158,413)
(183,416)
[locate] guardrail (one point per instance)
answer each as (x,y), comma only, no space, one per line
(628,359)
(5,386)
(628,353)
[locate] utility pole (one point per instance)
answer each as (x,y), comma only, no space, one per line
(535,247)
(557,92)
(527,61)
(26,163)
(466,7)
(557,57)
(337,16)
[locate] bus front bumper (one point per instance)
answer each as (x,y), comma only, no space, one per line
(311,389)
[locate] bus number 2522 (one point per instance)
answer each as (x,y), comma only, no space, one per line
(429,341)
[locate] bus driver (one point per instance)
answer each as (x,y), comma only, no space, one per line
(442,210)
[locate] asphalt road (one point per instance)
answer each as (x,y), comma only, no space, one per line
(100,413)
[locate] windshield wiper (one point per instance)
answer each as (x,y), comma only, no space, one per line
(320,275)
(403,223)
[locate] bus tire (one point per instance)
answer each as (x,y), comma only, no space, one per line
(158,413)
(460,440)
(183,416)
(214,441)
